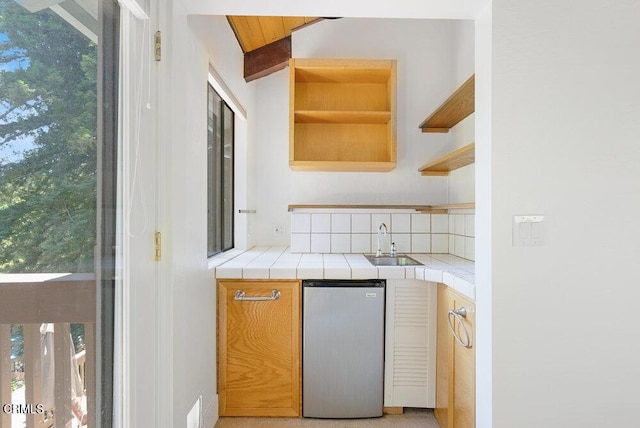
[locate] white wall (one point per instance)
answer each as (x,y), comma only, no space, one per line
(186,313)
(435,9)
(483,219)
(424,80)
(461,188)
(565,108)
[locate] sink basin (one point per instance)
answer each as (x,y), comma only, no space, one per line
(401,260)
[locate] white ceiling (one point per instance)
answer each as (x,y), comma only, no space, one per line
(430,9)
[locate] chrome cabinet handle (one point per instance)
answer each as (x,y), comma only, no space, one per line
(459,315)
(240,295)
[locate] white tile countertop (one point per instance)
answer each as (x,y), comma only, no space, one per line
(279,263)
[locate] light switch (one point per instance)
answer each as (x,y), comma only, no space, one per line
(528,230)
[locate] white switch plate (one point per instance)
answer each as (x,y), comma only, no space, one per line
(528,230)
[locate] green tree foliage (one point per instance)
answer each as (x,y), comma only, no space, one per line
(48,103)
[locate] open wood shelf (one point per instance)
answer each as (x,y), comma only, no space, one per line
(342,115)
(326,116)
(337,166)
(457,107)
(457,159)
(420,208)
(444,209)
(424,209)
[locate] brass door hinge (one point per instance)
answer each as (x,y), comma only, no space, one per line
(158,246)
(157,42)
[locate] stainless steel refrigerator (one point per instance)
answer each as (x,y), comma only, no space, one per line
(343,348)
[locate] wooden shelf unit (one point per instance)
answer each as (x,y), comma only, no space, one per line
(457,107)
(454,160)
(342,115)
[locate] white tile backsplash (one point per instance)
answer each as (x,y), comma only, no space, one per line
(458,246)
(340,242)
(439,223)
(343,233)
(300,223)
(420,243)
(320,223)
(400,223)
(360,223)
(340,223)
(469,248)
(459,224)
(440,243)
(360,243)
(470,225)
(420,223)
(320,243)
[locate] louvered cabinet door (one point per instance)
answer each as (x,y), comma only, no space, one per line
(410,344)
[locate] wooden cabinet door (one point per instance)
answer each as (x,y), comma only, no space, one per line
(455,363)
(444,352)
(464,360)
(259,349)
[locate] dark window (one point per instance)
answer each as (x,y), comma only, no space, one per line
(220,174)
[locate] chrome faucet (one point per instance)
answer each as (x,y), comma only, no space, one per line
(380,231)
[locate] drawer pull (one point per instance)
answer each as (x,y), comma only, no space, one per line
(459,315)
(240,295)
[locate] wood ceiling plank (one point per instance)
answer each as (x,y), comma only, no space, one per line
(253,35)
(254,32)
(293,22)
(239,29)
(272,28)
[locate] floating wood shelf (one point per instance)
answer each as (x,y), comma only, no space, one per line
(444,209)
(457,107)
(369,207)
(454,160)
(423,209)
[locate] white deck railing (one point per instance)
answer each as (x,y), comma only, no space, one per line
(34,299)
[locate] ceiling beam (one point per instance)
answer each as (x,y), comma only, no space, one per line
(267,59)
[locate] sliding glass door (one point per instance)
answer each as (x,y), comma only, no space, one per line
(58,208)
